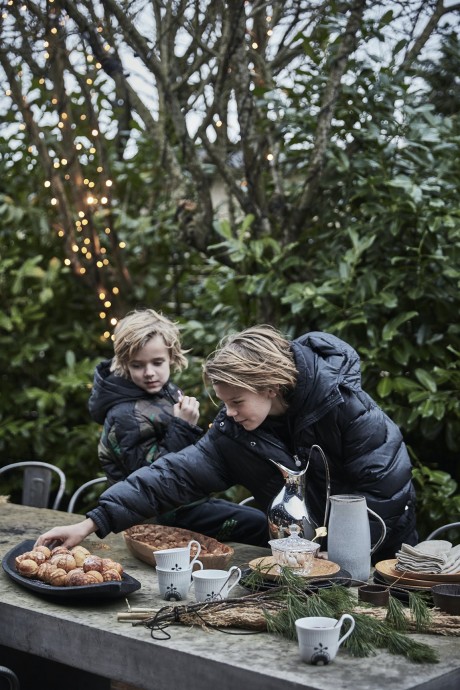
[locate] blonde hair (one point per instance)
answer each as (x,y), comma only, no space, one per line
(133,333)
(256,358)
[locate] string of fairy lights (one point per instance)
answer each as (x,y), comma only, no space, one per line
(94,196)
(94,189)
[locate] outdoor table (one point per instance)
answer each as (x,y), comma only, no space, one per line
(90,638)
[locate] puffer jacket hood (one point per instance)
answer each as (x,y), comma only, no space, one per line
(110,390)
(324,363)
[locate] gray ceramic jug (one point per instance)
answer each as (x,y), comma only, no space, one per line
(349,535)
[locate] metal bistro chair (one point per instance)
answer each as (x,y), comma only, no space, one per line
(76,495)
(10,677)
(443,528)
(37,482)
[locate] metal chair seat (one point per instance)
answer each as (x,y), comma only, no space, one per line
(37,482)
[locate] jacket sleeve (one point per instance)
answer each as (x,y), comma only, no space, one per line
(174,479)
(179,434)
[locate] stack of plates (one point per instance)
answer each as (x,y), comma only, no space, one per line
(409,580)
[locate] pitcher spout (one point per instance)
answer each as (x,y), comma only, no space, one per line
(287,473)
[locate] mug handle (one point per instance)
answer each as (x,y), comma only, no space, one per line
(384,530)
(198,550)
(198,563)
(233,570)
(346,616)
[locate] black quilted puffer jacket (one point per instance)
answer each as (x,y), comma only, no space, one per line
(365,451)
(138,426)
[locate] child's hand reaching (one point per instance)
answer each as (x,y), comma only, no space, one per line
(67,535)
(188,409)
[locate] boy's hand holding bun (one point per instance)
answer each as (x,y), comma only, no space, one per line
(188,409)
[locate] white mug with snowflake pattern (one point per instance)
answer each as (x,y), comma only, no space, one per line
(175,584)
(177,558)
(213,584)
(319,637)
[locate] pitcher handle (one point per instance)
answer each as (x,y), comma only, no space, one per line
(384,530)
(328,479)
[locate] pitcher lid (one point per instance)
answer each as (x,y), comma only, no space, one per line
(294,542)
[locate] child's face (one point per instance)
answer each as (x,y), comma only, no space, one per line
(245,407)
(150,367)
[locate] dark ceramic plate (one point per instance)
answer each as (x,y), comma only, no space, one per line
(103,590)
(401,592)
(342,577)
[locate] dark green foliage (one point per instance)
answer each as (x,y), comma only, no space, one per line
(373,256)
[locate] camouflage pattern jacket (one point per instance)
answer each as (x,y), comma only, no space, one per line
(138,427)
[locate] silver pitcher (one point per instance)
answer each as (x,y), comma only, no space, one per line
(289,505)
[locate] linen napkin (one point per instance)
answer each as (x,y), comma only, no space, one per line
(435,556)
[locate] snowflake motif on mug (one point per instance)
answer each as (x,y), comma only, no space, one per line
(176,567)
(172,594)
(213,596)
(320,655)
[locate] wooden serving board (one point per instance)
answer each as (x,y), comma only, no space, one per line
(271,570)
(388,571)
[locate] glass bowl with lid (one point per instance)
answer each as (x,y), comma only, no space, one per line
(294,552)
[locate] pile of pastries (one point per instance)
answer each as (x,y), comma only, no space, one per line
(61,567)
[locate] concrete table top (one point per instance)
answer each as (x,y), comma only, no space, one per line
(89,636)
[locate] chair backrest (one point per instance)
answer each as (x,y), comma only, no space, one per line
(10,677)
(37,481)
(76,495)
(443,528)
